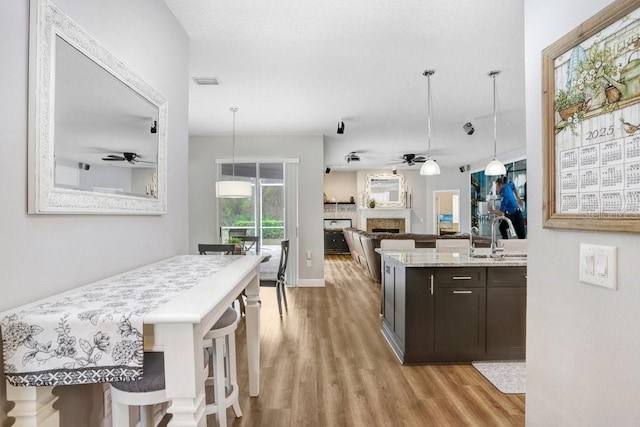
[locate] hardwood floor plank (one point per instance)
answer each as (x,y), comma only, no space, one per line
(326,363)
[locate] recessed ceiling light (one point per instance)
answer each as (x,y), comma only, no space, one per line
(207,81)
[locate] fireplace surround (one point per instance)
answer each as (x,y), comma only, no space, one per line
(386,218)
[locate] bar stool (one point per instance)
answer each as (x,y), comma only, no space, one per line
(222,339)
(145,393)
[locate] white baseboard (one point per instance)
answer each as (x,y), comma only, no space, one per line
(310,283)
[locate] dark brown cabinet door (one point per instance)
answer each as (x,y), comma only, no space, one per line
(399,306)
(419,314)
(506,312)
(459,323)
(334,242)
(388,283)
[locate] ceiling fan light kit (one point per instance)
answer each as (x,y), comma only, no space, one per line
(233,189)
(495,166)
(429,167)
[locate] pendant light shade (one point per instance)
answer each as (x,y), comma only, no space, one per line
(429,167)
(233,189)
(495,166)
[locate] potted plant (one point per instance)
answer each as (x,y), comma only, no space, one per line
(570,103)
(371,203)
(239,247)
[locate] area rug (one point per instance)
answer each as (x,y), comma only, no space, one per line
(508,376)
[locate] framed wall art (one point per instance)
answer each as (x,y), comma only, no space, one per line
(591,123)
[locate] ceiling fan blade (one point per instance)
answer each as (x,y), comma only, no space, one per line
(113,159)
(145,161)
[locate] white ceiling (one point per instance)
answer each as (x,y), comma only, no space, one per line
(297,67)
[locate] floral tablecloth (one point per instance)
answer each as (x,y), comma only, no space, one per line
(94,333)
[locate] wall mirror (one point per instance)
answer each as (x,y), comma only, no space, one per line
(97,132)
(386,190)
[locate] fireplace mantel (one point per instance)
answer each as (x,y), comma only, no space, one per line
(401,213)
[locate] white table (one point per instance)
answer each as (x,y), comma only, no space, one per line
(177,328)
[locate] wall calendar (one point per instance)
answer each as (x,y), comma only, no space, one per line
(591,103)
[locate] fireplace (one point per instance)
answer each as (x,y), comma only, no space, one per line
(387,225)
(386,219)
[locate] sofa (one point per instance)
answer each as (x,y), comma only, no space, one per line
(363,244)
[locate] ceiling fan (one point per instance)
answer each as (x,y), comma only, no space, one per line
(410,159)
(352,157)
(132,158)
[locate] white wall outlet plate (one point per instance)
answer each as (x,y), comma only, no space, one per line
(599,265)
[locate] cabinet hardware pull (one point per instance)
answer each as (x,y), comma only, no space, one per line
(461,277)
(525,276)
(431,284)
(462,292)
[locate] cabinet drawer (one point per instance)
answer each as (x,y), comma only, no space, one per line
(460,277)
(506,276)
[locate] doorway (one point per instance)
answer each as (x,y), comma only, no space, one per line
(446,212)
(262,216)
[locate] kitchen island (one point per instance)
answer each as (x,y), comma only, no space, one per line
(452,308)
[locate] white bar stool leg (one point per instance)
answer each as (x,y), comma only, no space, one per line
(233,375)
(219,381)
(146,416)
(120,415)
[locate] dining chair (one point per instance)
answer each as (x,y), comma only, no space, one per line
(237,232)
(221,249)
(249,242)
(216,248)
(279,282)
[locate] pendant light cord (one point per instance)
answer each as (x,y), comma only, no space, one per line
(493,75)
(428,74)
(234,110)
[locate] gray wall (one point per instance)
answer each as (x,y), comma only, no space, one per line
(203,150)
(583,342)
(44,254)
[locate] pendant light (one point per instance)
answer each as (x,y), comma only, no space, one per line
(495,166)
(233,189)
(429,167)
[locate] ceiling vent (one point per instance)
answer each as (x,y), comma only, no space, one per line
(207,81)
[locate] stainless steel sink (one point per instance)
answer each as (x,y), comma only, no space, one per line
(500,256)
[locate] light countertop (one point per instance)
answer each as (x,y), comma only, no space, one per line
(428,257)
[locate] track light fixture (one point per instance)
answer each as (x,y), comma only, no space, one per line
(340,127)
(154,127)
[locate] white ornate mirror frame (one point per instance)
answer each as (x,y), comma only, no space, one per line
(47,23)
(384,198)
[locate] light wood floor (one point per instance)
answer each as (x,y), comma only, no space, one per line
(326,363)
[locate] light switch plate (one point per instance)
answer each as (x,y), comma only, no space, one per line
(599,265)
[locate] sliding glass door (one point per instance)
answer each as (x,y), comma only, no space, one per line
(262,215)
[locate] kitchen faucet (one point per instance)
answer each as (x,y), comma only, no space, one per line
(474,231)
(494,244)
